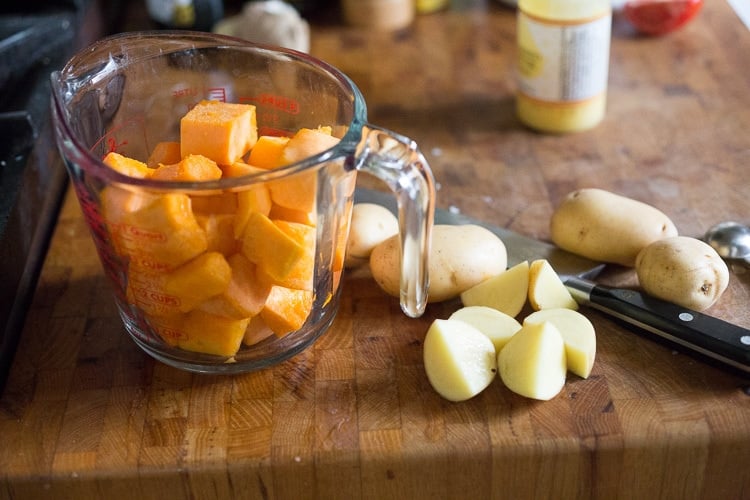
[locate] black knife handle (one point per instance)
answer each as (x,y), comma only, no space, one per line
(706,335)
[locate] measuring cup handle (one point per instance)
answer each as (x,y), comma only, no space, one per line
(397,161)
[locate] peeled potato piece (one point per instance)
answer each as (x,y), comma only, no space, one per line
(578,335)
(546,289)
(533,362)
(459,360)
(505,292)
(496,325)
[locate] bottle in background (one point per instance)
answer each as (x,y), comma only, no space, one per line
(200,15)
(563,63)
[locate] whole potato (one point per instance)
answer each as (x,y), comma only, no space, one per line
(370,225)
(607,227)
(460,257)
(682,270)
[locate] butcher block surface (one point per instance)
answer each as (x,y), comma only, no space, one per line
(86,414)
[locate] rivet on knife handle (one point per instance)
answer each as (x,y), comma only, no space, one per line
(706,335)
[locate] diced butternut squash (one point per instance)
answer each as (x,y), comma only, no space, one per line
(116,203)
(127,166)
(267,245)
(146,291)
(286,309)
(245,295)
(256,331)
(255,199)
(190,168)
(164,153)
(266,153)
(205,333)
(300,276)
(240,169)
(221,131)
(214,270)
(169,328)
(299,191)
(205,276)
(163,234)
(289,214)
(223,203)
(219,233)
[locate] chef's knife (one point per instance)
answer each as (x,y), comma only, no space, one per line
(706,335)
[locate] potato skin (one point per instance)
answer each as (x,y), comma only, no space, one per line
(460,257)
(370,225)
(683,270)
(607,227)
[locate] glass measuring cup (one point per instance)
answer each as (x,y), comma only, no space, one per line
(127,93)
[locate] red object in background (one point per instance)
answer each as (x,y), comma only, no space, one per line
(657,17)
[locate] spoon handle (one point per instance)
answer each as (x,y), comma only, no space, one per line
(706,335)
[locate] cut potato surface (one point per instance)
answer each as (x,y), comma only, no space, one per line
(533,363)
(506,292)
(496,325)
(578,335)
(459,360)
(546,289)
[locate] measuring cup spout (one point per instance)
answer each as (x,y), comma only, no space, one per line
(398,161)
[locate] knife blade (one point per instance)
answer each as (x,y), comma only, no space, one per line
(697,332)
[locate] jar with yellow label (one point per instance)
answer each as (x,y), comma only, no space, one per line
(563,63)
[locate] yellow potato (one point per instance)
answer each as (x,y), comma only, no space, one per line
(459,360)
(546,289)
(533,362)
(496,325)
(371,224)
(460,257)
(682,270)
(506,292)
(578,336)
(607,227)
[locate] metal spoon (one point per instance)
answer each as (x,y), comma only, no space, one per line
(731,240)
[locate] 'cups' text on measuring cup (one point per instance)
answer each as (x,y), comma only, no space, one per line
(242,270)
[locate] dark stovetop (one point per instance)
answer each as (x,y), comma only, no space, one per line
(36,38)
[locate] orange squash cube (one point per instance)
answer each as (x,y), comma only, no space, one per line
(299,191)
(163,234)
(192,167)
(209,334)
(127,166)
(219,233)
(300,276)
(257,330)
(240,169)
(278,212)
(116,203)
(205,276)
(246,294)
(266,152)
(169,328)
(221,131)
(267,245)
(164,153)
(146,291)
(213,204)
(255,199)
(286,309)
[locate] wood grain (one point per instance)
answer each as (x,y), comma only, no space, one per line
(86,414)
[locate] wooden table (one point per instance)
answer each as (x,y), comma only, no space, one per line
(87,415)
